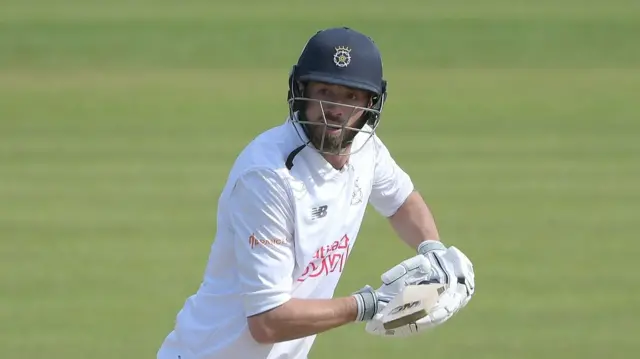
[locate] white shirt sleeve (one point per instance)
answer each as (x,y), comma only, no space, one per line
(391,184)
(261,217)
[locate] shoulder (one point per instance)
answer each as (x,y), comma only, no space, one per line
(371,145)
(262,195)
(269,149)
(265,157)
(259,172)
(377,143)
(261,182)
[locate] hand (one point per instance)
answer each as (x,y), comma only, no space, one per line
(455,270)
(451,265)
(414,270)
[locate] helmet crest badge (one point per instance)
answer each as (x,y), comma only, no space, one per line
(342,56)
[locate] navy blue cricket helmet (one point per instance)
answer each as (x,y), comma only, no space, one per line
(339,56)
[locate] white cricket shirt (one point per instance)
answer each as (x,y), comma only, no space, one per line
(281,233)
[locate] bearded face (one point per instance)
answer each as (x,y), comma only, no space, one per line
(335,116)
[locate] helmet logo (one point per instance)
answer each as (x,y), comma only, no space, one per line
(342,57)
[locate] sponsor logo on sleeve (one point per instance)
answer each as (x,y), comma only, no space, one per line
(254,242)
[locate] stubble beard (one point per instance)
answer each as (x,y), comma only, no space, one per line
(335,143)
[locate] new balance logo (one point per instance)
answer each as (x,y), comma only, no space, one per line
(319,212)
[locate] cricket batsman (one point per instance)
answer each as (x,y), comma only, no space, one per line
(289,216)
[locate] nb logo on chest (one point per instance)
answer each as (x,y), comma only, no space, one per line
(319,212)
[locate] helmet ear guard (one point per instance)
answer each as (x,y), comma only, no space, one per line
(295,91)
(378,101)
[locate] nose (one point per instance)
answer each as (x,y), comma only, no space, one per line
(334,113)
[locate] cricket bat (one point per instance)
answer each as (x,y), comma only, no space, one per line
(412,304)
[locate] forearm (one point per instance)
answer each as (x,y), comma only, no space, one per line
(414,222)
(300,318)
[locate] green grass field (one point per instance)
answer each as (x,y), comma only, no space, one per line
(518,120)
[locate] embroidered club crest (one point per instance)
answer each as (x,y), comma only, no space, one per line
(356,195)
(342,57)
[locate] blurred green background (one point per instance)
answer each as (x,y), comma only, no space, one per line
(518,120)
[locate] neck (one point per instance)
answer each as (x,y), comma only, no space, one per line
(336,161)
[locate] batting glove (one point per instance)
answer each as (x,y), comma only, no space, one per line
(448,266)
(415,270)
(451,266)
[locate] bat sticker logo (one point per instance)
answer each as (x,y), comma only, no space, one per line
(402,308)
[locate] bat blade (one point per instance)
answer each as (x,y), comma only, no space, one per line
(412,304)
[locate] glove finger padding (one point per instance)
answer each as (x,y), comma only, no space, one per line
(463,268)
(414,270)
(417,263)
(449,304)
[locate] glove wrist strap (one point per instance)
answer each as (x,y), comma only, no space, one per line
(430,245)
(367,302)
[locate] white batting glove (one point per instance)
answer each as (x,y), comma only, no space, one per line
(456,271)
(414,270)
(451,265)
